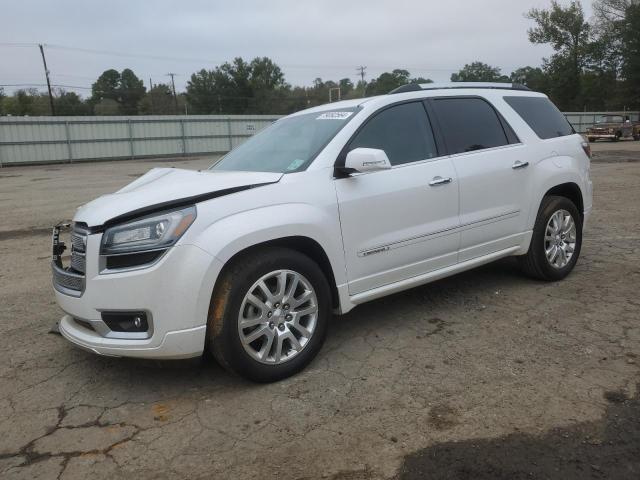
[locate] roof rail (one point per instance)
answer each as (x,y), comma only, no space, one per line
(414,87)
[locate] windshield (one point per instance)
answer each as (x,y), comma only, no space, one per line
(289,145)
(611,119)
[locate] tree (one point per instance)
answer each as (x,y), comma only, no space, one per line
(630,37)
(107,106)
(26,102)
(106,86)
(479,72)
(390,81)
(532,77)
(268,87)
(130,91)
(70,103)
(346,87)
(157,101)
(2,97)
(567,31)
(125,88)
(202,94)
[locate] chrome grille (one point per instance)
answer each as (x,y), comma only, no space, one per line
(79,242)
(69,279)
(78,250)
(78,261)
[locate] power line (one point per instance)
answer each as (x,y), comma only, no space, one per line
(42,85)
(216,62)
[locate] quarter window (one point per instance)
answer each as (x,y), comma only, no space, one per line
(402,131)
(469,124)
(542,116)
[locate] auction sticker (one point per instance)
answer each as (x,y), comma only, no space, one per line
(335,116)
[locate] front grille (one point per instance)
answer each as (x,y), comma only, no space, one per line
(78,242)
(67,279)
(70,279)
(78,261)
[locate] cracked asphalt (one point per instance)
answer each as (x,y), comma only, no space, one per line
(487,374)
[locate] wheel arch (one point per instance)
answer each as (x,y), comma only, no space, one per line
(568,190)
(300,243)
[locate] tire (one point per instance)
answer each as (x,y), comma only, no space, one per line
(591,139)
(617,137)
(261,359)
(535,263)
(636,137)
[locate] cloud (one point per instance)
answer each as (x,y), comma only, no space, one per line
(308,39)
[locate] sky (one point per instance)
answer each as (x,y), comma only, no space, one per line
(307,38)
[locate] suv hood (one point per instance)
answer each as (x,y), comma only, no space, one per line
(165,188)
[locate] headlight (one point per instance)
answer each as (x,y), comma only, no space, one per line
(151,233)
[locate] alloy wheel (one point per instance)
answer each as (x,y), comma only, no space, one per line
(560,239)
(278,317)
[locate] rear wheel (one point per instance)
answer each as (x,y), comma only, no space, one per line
(269,314)
(556,240)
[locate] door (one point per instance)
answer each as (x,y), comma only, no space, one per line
(493,170)
(401,222)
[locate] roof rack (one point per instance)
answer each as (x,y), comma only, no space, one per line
(414,87)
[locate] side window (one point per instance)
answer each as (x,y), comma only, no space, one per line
(542,116)
(402,131)
(469,124)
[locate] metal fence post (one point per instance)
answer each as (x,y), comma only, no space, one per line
(184,140)
(67,134)
(131,151)
(229,133)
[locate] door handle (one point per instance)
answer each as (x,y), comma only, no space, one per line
(519,164)
(439,181)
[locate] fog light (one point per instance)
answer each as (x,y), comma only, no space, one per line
(126,321)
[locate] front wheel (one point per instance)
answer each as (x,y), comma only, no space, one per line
(269,314)
(556,240)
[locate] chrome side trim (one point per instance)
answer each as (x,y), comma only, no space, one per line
(438,233)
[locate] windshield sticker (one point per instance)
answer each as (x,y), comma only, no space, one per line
(295,164)
(335,116)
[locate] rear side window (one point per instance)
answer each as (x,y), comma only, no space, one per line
(469,124)
(402,131)
(542,116)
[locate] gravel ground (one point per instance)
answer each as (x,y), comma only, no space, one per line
(483,375)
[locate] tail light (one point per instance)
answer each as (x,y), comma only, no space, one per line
(587,148)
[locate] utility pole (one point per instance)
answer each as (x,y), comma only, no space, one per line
(46,72)
(361,70)
(173,87)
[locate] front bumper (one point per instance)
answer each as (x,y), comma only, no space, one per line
(175,292)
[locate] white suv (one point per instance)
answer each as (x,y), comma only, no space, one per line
(326,209)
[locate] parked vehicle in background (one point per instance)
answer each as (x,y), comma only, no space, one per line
(614,128)
(324,210)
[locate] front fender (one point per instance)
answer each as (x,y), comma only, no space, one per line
(230,235)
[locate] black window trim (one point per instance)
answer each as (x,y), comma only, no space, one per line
(339,171)
(503,123)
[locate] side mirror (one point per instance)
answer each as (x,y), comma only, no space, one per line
(366,160)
